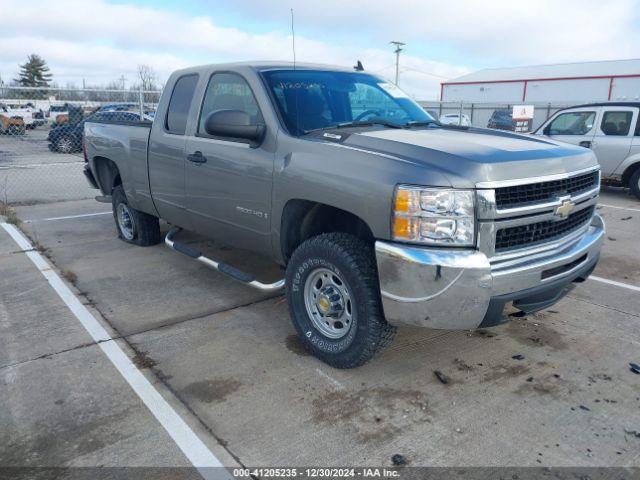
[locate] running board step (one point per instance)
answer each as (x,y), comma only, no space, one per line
(222,267)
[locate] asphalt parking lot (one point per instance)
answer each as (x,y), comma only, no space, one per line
(31,173)
(225,358)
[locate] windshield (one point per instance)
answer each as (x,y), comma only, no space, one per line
(316,99)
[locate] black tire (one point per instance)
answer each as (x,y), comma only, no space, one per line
(144,228)
(354,261)
(634,183)
(16,130)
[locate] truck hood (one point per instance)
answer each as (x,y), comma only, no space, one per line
(471,156)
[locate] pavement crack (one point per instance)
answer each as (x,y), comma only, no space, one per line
(603,306)
(197,317)
(49,355)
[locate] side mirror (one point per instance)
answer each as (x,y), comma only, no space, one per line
(547,130)
(233,124)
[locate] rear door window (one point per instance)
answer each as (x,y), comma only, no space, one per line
(572,123)
(180,103)
(616,123)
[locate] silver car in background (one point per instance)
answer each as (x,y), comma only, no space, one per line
(455,119)
(611,130)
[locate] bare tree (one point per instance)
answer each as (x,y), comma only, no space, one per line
(148,78)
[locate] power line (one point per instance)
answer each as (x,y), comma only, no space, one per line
(425,72)
(384,68)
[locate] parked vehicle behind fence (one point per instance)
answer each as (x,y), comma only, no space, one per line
(381,216)
(68,138)
(10,123)
(455,119)
(118,107)
(28,113)
(501,119)
(611,130)
(58,114)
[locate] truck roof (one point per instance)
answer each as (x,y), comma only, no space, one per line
(605,104)
(265,65)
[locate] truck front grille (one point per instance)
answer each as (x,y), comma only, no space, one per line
(519,195)
(535,233)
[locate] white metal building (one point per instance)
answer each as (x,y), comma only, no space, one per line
(567,83)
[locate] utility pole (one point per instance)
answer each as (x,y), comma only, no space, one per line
(122,80)
(397,52)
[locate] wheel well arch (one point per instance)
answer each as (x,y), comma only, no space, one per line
(107,174)
(303,219)
(629,171)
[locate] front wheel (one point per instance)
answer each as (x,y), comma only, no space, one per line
(334,300)
(133,225)
(634,183)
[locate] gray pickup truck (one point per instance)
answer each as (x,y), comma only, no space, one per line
(381,216)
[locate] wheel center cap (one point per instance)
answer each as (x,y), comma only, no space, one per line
(330,302)
(323,304)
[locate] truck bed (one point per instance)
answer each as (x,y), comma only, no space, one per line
(125,143)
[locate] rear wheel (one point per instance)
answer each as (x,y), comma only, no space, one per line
(133,225)
(16,129)
(334,300)
(65,144)
(634,183)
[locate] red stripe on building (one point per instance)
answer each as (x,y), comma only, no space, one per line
(595,77)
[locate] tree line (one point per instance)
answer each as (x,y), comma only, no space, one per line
(36,73)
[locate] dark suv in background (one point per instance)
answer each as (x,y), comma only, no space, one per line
(501,119)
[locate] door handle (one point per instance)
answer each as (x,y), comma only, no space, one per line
(585,144)
(197,157)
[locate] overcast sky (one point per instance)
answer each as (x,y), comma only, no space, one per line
(100,40)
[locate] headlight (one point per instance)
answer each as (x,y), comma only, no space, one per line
(434,216)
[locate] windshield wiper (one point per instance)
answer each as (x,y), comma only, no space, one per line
(367,123)
(363,123)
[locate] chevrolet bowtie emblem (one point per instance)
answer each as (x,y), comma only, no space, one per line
(565,209)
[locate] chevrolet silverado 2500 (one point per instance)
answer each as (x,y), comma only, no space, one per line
(381,216)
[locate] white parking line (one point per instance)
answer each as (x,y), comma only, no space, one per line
(34,165)
(194,449)
(619,208)
(83,215)
(613,282)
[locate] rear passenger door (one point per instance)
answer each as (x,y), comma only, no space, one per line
(614,136)
(166,155)
(228,181)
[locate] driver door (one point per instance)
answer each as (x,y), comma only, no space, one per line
(576,126)
(228,181)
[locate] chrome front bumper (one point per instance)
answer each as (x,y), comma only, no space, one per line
(462,289)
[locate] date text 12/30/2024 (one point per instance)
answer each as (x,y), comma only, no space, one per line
(316,472)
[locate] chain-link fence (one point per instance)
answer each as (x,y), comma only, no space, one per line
(491,115)
(41,134)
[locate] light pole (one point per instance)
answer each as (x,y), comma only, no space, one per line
(397,52)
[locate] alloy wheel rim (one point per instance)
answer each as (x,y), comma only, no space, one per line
(64,145)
